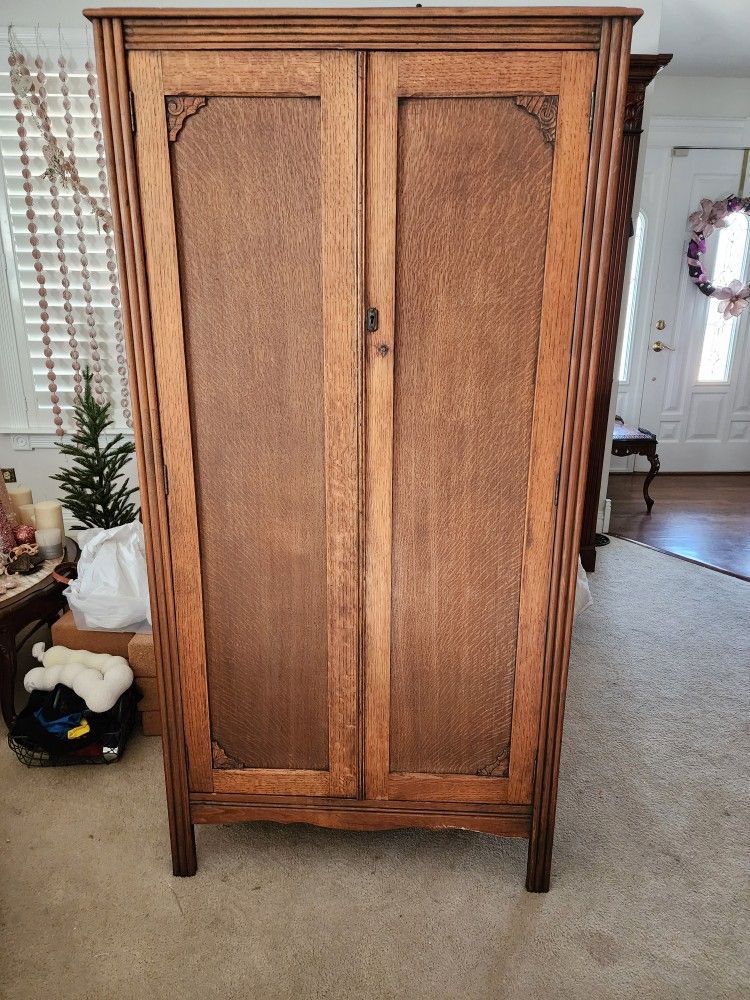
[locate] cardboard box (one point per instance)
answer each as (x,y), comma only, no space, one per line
(150,700)
(140,655)
(151,722)
(65,633)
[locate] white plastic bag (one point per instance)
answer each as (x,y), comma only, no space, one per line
(111,592)
(583,594)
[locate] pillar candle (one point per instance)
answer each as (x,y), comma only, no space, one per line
(19,497)
(49,541)
(49,515)
(27,514)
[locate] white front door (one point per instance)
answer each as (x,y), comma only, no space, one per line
(696,389)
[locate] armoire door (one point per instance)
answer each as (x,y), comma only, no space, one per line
(248,176)
(476,167)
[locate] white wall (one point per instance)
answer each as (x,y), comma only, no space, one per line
(700,96)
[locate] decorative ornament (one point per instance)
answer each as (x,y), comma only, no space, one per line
(734,297)
(25,559)
(6,582)
(180,108)
(544,109)
(25,534)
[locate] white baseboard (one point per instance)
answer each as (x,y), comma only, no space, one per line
(602,517)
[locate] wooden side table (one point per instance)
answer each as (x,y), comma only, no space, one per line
(41,603)
(627,440)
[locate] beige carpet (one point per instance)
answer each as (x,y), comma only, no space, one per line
(650,879)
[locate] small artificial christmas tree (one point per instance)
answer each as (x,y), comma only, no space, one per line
(90,488)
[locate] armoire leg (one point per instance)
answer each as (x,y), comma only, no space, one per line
(539,863)
(181,830)
(538,867)
(182,838)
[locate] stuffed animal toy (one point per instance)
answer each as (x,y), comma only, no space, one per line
(98,678)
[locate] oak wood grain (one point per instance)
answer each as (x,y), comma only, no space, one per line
(491,74)
(127,224)
(341,327)
(452,808)
(169,393)
(226,74)
(604,158)
(554,360)
(261,512)
(352,819)
(392,29)
(465,359)
(380,264)
(335,352)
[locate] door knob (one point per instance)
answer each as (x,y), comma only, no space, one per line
(661,325)
(659,345)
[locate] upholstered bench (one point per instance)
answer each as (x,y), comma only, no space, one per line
(628,440)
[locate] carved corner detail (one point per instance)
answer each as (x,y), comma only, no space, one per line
(544,109)
(634,110)
(179,109)
(221,759)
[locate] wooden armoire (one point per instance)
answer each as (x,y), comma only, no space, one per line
(361,257)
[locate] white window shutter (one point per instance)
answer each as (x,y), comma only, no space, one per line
(85,264)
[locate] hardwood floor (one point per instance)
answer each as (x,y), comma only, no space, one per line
(702,518)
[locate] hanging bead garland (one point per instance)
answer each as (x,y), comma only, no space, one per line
(20,74)
(59,167)
(94,354)
(41,91)
(114,285)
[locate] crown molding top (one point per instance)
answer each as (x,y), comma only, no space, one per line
(643,69)
(381,13)
(389,28)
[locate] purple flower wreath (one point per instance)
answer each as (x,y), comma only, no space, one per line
(712,215)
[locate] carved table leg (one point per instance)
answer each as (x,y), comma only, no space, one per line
(655,466)
(8,664)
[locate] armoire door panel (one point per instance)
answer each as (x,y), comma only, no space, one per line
(259,466)
(463,187)
(262,195)
(467,330)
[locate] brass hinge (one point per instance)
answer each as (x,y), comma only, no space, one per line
(557,489)
(591,111)
(166,481)
(131,106)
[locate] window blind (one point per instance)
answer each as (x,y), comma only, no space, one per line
(69,307)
